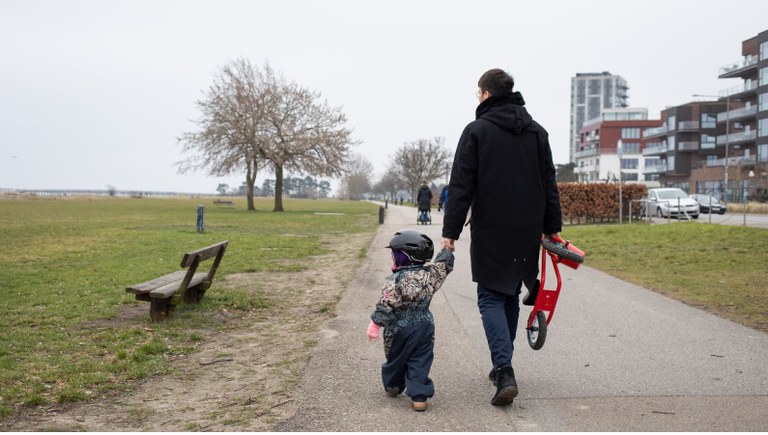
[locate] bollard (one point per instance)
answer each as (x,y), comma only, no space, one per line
(200,218)
(381,215)
(386,203)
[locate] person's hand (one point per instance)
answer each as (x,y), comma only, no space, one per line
(555,236)
(448,244)
(373,331)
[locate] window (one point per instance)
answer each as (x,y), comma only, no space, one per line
(608,93)
(762,127)
(708,120)
(594,86)
(594,108)
(762,153)
(764,50)
(630,176)
(763,77)
(671,123)
(630,133)
(630,163)
(762,103)
(630,148)
(708,142)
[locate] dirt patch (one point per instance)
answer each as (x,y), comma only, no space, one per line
(240,379)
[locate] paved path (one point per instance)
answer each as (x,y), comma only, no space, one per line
(617,358)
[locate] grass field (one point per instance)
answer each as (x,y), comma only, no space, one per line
(719,268)
(66,263)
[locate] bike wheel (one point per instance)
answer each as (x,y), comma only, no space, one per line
(561,251)
(537,333)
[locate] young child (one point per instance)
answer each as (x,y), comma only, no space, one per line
(403,311)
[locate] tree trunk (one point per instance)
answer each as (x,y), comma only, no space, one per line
(250,180)
(278,188)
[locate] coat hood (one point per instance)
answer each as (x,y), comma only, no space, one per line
(505,111)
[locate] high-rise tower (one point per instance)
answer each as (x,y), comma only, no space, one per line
(590,94)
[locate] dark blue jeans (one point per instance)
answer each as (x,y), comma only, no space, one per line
(410,360)
(500,312)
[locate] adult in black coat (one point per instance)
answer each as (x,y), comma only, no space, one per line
(424,200)
(503,170)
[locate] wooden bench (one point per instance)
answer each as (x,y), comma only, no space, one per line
(167,291)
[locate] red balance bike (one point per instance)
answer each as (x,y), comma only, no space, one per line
(558,251)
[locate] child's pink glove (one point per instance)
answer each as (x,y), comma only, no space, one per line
(373,331)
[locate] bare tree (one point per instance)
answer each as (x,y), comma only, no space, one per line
(253,119)
(233,133)
(390,182)
(357,178)
(306,135)
(423,159)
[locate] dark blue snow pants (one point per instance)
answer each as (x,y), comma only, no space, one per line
(409,361)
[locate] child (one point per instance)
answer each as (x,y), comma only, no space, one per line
(403,311)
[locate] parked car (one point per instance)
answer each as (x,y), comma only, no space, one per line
(718,206)
(672,202)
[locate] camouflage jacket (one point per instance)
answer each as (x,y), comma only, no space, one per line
(407,294)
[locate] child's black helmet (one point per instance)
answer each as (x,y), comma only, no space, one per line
(417,245)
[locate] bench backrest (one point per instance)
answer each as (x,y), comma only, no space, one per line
(192,260)
(204,253)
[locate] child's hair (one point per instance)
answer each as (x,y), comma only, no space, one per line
(402,259)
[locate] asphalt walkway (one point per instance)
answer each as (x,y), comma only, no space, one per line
(617,357)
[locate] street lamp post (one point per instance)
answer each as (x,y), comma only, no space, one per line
(744,197)
(727,136)
(619,144)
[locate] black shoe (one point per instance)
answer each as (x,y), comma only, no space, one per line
(506,387)
(393,391)
(493,377)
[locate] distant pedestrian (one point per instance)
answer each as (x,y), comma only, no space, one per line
(503,169)
(403,311)
(443,201)
(424,201)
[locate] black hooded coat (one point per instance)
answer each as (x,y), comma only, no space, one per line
(424,198)
(503,170)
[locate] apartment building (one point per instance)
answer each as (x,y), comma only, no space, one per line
(685,146)
(598,159)
(743,144)
(591,94)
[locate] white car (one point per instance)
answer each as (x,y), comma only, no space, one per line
(672,202)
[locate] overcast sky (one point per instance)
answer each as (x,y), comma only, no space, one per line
(95,93)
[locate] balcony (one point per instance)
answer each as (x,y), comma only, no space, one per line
(688,146)
(732,161)
(586,153)
(688,126)
(656,169)
(746,112)
(739,90)
(735,138)
(655,132)
(657,150)
(737,69)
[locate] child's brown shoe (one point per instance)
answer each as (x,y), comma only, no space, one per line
(419,406)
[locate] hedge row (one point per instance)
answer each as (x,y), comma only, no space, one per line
(585,203)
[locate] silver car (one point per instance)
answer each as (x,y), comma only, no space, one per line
(672,202)
(707,202)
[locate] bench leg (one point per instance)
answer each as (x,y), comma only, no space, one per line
(159,309)
(195,294)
